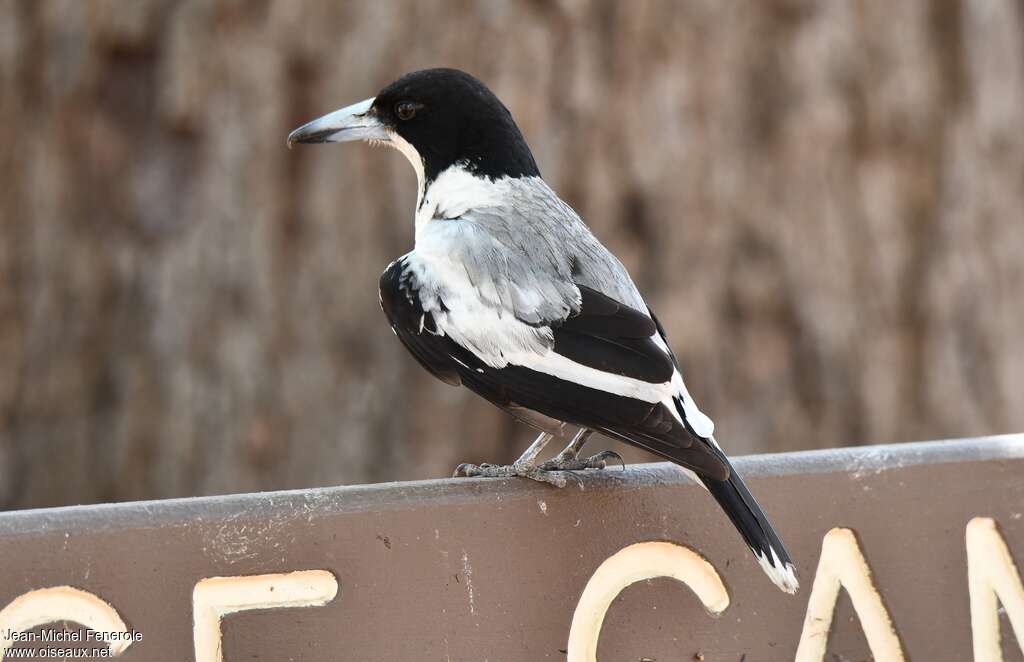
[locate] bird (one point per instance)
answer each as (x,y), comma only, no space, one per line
(507,292)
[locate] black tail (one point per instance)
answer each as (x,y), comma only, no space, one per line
(748,518)
(706,461)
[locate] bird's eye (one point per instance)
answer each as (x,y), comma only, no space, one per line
(406,110)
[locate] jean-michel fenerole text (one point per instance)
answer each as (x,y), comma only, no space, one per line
(54,635)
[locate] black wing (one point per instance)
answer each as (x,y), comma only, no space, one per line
(605,335)
(611,337)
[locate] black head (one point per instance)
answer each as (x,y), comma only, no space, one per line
(451,117)
(446,115)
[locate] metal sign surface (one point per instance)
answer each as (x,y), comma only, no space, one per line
(904,552)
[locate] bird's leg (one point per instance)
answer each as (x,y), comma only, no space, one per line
(572,451)
(569,459)
(529,456)
(525,466)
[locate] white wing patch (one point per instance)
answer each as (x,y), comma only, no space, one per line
(559,366)
(698,420)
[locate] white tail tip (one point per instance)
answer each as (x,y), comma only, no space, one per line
(782,574)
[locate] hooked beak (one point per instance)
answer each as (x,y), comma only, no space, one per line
(355,122)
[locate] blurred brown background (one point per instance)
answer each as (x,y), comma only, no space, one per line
(824,201)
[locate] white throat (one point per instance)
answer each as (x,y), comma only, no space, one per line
(414,158)
(453,193)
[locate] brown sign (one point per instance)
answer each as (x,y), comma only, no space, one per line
(904,552)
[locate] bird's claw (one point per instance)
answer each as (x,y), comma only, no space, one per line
(596,461)
(466,470)
(555,477)
(556,471)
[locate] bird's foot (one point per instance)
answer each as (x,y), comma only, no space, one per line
(567,462)
(552,476)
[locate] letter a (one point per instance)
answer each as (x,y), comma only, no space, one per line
(842,565)
(991,575)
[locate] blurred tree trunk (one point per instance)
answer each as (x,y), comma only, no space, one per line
(824,201)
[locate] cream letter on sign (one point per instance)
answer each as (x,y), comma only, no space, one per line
(61,603)
(991,575)
(644,560)
(842,564)
(215,597)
